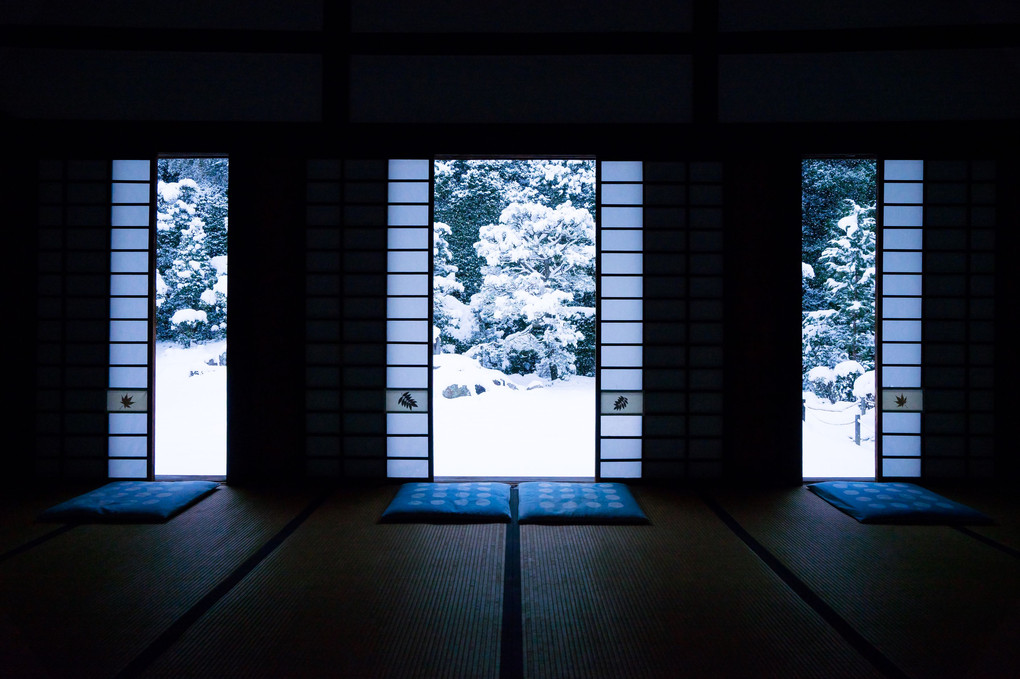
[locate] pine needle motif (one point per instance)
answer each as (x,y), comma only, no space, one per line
(127,402)
(621,403)
(901,401)
(407,401)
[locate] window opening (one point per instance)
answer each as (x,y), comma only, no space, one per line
(839,243)
(190,281)
(514,318)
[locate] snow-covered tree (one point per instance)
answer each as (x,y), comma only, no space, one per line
(453,322)
(191,274)
(537,271)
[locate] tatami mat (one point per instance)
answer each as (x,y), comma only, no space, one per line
(683,597)
(933,600)
(85,603)
(345,596)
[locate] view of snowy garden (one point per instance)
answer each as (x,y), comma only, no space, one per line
(191,317)
(514,318)
(838,231)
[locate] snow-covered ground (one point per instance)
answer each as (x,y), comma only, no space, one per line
(828,441)
(547,430)
(191,410)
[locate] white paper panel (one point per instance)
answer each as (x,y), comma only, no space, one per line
(407,378)
(126,469)
(409,169)
(128,423)
(407,284)
(901,331)
(901,423)
(407,446)
(130,170)
(910,170)
(129,284)
(408,192)
(615,425)
(407,307)
(621,355)
(407,354)
(129,193)
(622,217)
(129,262)
(620,470)
(129,215)
(902,215)
(903,262)
(407,215)
(127,446)
(901,467)
(622,286)
(621,309)
(902,285)
(407,331)
(901,446)
(901,307)
(407,423)
(901,353)
(620,449)
(902,239)
(407,469)
(904,193)
(622,379)
(129,331)
(128,377)
(629,240)
(621,333)
(621,263)
(621,171)
(622,194)
(895,376)
(129,239)
(129,354)
(408,238)
(129,307)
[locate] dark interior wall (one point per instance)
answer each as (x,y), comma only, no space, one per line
(749,87)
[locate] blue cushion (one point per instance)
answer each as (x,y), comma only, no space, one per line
(577,503)
(467,502)
(130,501)
(894,502)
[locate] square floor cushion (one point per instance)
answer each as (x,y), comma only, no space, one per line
(894,502)
(467,502)
(131,502)
(552,502)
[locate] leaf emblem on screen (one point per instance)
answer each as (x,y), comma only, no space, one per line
(407,401)
(127,401)
(901,401)
(621,403)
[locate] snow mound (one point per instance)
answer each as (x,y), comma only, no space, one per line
(457,375)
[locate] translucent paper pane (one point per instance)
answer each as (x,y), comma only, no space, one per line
(407,261)
(129,307)
(126,469)
(901,331)
(128,446)
(407,423)
(910,170)
(623,379)
(131,170)
(621,309)
(900,215)
(621,333)
(407,469)
(620,470)
(129,193)
(902,262)
(621,171)
(618,425)
(408,192)
(622,194)
(901,353)
(129,215)
(407,378)
(622,217)
(409,169)
(129,239)
(904,193)
(407,446)
(416,284)
(407,354)
(904,468)
(408,239)
(129,262)
(902,239)
(128,378)
(129,331)
(621,355)
(901,446)
(128,423)
(129,354)
(901,285)
(407,331)
(901,307)
(901,423)
(407,307)
(621,263)
(620,449)
(893,376)
(622,239)
(129,284)
(407,215)
(622,286)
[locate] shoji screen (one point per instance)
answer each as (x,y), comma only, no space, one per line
(130,327)
(345,318)
(959,370)
(73,318)
(621,329)
(408,327)
(900,311)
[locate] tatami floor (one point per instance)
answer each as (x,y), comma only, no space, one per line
(304,582)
